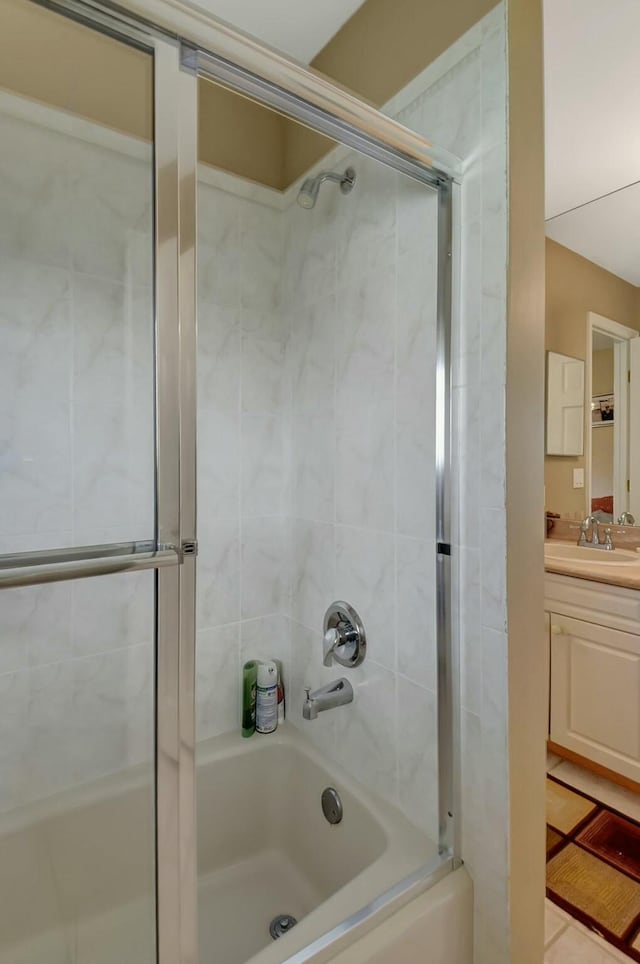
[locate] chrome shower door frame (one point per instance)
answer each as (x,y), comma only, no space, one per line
(172,553)
(186,43)
(175,129)
(314,102)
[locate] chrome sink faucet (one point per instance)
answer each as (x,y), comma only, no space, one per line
(626,519)
(594,543)
(589,523)
(337,693)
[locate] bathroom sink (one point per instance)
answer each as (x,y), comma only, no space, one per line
(586,556)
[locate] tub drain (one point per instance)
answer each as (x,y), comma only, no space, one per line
(281,924)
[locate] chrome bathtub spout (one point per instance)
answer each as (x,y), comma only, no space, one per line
(337,693)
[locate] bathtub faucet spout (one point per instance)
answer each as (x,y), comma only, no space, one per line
(337,693)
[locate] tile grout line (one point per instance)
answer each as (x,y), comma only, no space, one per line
(559,933)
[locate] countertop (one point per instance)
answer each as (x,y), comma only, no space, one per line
(625,576)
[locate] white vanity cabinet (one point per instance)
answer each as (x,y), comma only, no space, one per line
(594,638)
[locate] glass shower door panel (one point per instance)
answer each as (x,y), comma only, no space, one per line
(76,772)
(77,468)
(76,271)
(317,353)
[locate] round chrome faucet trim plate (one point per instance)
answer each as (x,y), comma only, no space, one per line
(345,640)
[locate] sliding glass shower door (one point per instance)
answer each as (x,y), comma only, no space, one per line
(320,347)
(89,471)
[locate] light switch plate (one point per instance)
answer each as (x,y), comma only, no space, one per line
(578,478)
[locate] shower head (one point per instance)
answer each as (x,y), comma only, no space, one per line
(308,193)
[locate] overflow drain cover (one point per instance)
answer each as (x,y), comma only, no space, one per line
(281,924)
(331,805)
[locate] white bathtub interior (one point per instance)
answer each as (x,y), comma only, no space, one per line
(260,855)
(275,853)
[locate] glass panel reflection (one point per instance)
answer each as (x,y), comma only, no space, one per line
(76,263)
(76,771)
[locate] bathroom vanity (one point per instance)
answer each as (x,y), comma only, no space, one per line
(592,603)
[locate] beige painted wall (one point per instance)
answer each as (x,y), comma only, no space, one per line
(384,45)
(575,287)
(240,136)
(51,59)
(524,474)
(376,53)
(602,372)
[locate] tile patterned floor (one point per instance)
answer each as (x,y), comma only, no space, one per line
(610,794)
(566,809)
(567,941)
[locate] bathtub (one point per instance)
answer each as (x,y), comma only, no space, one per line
(264,849)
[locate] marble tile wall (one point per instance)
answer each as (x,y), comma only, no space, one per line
(365,534)
(460,102)
(316,450)
(360,288)
(76,452)
(244,450)
(76,248)
(465,111)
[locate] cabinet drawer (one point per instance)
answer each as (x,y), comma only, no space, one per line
(593,602)
(595,692)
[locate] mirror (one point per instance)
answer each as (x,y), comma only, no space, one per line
(565,405)
(592,464)
(592,276)
(614,438)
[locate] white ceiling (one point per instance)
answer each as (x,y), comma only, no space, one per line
(606,232)
(592,121)
(299,28)
(592,81)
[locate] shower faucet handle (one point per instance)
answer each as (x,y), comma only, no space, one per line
(344,639)
(330,640)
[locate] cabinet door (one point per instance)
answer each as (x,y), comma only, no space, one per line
(595,693)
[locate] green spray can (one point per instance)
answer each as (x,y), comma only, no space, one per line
(249,692)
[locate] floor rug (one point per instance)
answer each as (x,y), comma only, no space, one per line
(593,865)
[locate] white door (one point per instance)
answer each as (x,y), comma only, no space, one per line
(634,428)
(595,693)
(565,405)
